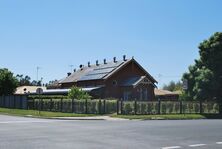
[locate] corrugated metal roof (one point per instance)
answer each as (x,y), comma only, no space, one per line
(74,77)
(64,91)
(93,72)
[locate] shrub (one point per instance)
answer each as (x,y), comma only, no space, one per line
(128,109)
(78,93)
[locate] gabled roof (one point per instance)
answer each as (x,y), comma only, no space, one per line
(151,77)
(100,72)
(135,62)
(135,81)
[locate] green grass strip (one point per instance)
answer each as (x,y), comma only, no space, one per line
(35,113)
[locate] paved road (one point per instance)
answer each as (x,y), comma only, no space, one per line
(29,133)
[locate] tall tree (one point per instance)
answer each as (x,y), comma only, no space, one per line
(36,83)
(205,76)
(24,81)
(173,86)
(8,82)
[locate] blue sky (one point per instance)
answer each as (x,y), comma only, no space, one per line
(162,35)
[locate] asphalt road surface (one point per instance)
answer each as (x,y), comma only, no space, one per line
(30,133)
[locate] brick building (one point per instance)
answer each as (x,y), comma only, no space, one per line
(124,79)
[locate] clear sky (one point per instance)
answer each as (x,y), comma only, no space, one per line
(163,35)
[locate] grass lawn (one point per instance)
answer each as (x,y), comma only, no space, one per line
(169,117)
(44,114)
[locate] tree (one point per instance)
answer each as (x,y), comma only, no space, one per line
(78,93)
(24,81)
(173,86)
(53,82)
(205,76)
(8,82)
(36,83)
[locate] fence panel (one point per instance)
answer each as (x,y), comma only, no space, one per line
(170,107)
(67,106)
(111,106)
(45,104)
(56,106)
(0,101)
(7,101)
(191,107)
(79,107)
(14,101)
(93,107)
(210,108)
(144,108)
(128,107)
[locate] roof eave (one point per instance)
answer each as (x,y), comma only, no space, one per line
(154,81)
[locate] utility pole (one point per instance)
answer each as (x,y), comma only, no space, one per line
(37,73)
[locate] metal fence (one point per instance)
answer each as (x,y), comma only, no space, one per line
(124,107)
(110,106)
(74,106)
(14,102)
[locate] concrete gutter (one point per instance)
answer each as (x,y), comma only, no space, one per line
(107,118)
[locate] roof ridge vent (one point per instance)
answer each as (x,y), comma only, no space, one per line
(104,61)
(69,74)
(114,59)
(97,63)
(89,64)
(81,66)
(124,58)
